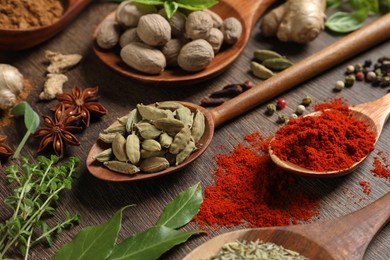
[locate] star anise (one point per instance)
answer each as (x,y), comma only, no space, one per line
(5,150)
(81,102)
(58,131)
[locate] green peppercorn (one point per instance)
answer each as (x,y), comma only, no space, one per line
(349,80)
(271,108)
(282,118)
(306,101)
(358,67)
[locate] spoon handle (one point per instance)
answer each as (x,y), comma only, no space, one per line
(307,68)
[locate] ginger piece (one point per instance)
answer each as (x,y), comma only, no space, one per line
(53,86)
(60,63)
(298,21)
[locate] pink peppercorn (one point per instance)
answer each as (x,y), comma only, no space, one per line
(359,75)
(281,104)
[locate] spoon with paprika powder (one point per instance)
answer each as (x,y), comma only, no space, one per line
(307,68)
(336,143)
(336,239)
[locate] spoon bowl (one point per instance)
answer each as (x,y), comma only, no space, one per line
(246,12)
(374,114)
(336,239)
(20,39)
(335,53)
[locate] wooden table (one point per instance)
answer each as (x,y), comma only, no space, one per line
(97,200)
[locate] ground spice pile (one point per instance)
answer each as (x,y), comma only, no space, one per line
(251,191)
(22,14)
(381,166)
(332,141)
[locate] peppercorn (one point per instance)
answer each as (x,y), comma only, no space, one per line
(367,63)
(306,101)
(359,75)
(349,80)
(358,67)
(350,69)
(281,103)
(271,108)
(294,116)
(370,76)
(378,72)
(339,85)
(282,118)
(300,109)
(377,81)
(385,82)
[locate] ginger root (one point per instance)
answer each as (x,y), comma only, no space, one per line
(298,21)
(53,86)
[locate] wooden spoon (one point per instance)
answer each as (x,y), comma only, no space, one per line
(19,39)
(334,239)
(247,12)
(335,53)
(374,114)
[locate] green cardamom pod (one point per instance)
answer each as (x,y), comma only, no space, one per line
(154,164)
(133,148)
(168,124)
(262,55)
(132,118)
(152,112)
(190,147)
(165,140)
(121,167)
(260,71)
(185,115)
(151,145)
(147,131)
(115,129)
(148,154)
(107,138)
(198,126)
(103,156)
(119,147)
(180,140)
(277,63)
(170,105)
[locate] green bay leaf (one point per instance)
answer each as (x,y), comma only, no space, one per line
(95,242)
(150,244)
(342,22)
(182,209)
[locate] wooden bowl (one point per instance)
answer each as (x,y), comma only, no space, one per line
(20,39)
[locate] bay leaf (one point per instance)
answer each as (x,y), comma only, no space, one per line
(150,244)
(182,209)
(95,242)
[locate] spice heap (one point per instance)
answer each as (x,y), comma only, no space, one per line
(381,166)
(250,190)
(331,141)
(256,250)
(22,14)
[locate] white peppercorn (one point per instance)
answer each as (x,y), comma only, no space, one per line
(154,30)
(108,34)
(128,13)
(198,25)
(371,76)
(350,69)
(231,29)
(339,85)
(300,109)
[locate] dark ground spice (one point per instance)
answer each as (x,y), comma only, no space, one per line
(250,190)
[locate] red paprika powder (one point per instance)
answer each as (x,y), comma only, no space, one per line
(251,191)
(381,166)
(331,141)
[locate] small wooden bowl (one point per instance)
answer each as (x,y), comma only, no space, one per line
(20,39)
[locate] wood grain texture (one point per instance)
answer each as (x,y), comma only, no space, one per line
(97,200)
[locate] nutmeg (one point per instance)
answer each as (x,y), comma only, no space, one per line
(108,34)
(130,35)
(143,57)
(215,39)
(128,13)
(195,55)
(231,29)
(217,20)
(177,22)
(171,51)
(154,30)
(198,25)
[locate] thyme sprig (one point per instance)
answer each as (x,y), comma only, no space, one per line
(36,196)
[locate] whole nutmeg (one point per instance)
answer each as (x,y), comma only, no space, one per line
(154,30)
(171,51)
(11,84)
(215,39)
(231,29)
(143,57)
(217,20)
(195,55)
(108,35)
(177,22)
(130,35)
(198,25)
(128,13)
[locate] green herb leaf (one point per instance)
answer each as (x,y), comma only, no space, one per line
(148,2)
(31,121)
(150,244)
(333,4)
(94,242)
(342,22)
(170,8)
(182,209)
(196,4)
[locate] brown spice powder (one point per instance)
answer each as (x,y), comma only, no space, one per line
(23,14)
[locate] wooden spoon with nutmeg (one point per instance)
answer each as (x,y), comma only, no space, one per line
(247,12)
(307,68)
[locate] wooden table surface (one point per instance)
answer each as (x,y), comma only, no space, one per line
(97,200)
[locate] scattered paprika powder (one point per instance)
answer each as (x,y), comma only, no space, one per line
(331,141)
(251,191)
(381,166)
